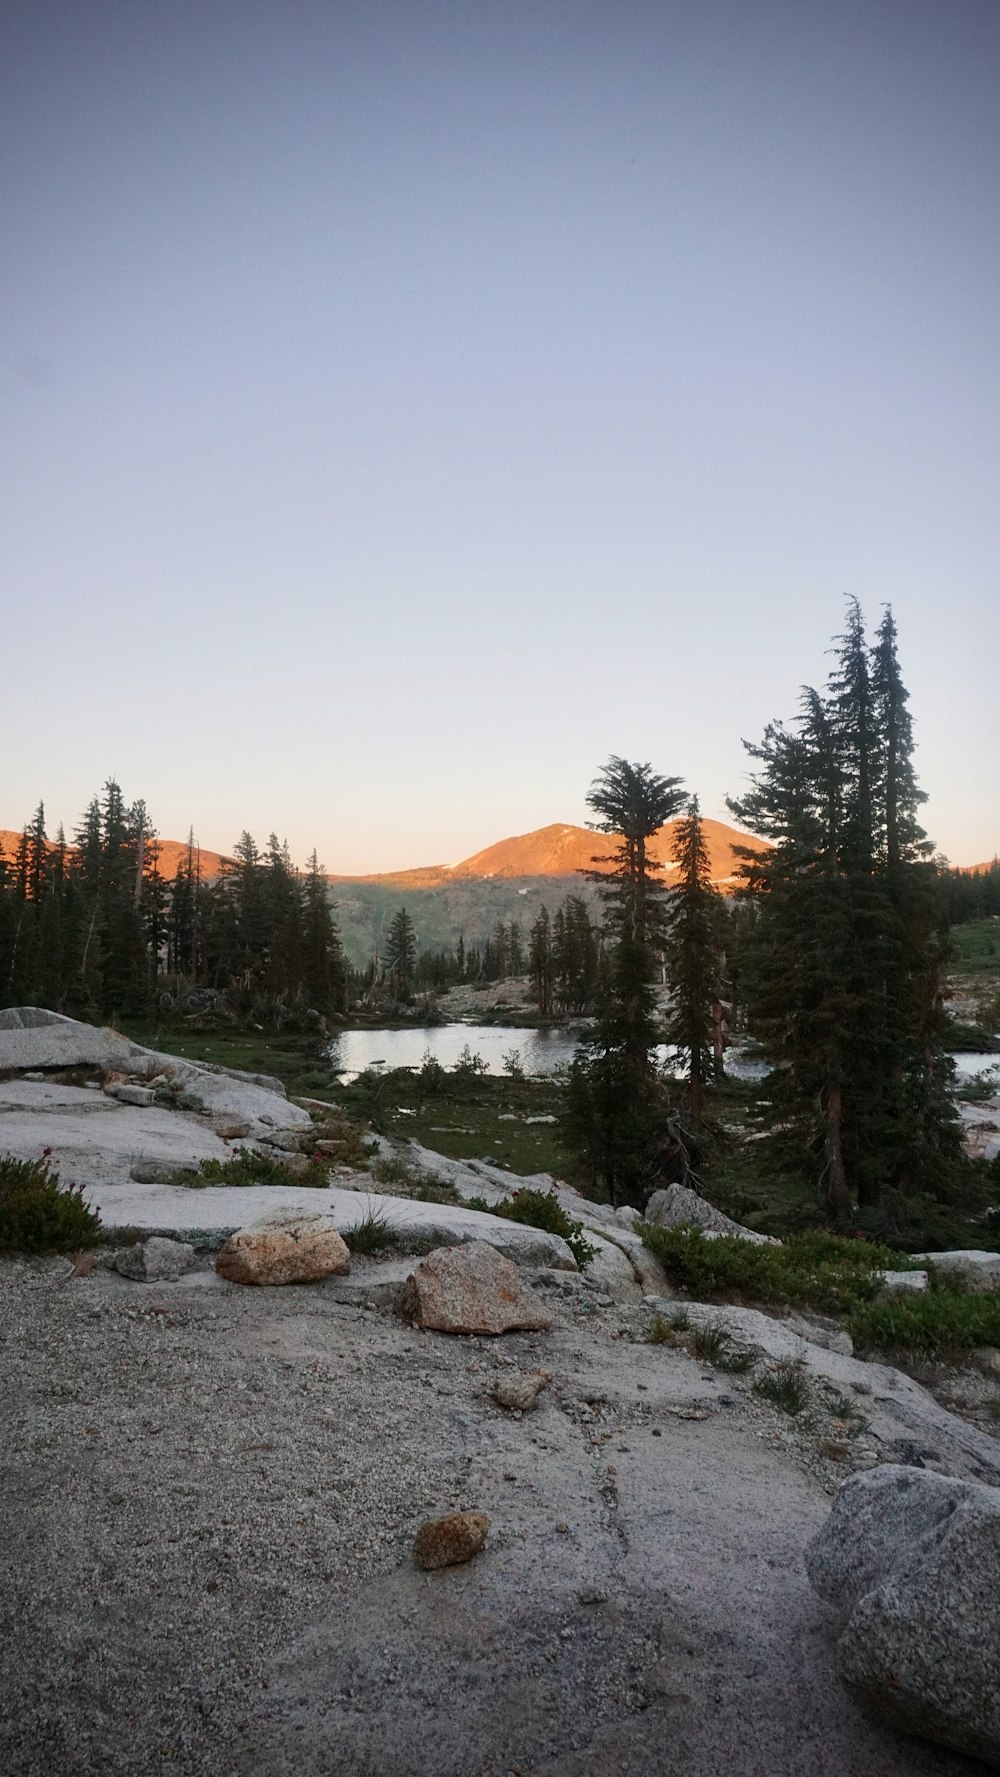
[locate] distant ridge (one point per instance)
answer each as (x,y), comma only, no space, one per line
(171,853)
(556,850)
(562,850)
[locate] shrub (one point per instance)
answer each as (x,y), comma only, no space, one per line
(470,1066)
(512,1064)
(541,1209)
(432,1075)
(39,1215)
(936,1323)
(824,1271)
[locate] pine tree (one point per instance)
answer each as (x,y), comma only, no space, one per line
(614,1100)
(843,964)
(401,954)
(694,952)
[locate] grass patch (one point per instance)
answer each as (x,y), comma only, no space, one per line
(371,1235)
(38,1215)
(785,1385)
(246,1168)
(660,1332)
(406,1180)
(709,1343)
(541,1209)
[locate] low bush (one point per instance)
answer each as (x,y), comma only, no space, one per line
(541,1209)
(823,1271)
(936,1323)
(39,1215)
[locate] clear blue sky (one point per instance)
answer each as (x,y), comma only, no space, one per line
(407,405)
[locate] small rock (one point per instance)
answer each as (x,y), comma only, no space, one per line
(284,1249)
(233,1131)
(444,1542)
(285,1139)
(164,1172)
(143,1096)
(156,1260)
(519,1393)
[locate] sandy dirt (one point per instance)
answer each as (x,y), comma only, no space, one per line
(211,1495)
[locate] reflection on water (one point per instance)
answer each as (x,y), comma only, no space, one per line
(541,1052)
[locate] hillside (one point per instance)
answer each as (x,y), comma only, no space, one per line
(171,853)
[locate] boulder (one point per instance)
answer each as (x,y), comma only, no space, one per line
(156,1260)
(443,1542)
(912,1559)
(471,1289)
(678,1205)
(288,1248)
(901,1283)
(980,1271)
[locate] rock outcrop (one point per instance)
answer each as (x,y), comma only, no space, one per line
(284,1249)
(471,1289)
(678,1205)
(913,1561)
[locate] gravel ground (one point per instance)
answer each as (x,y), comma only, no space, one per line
(211,1493)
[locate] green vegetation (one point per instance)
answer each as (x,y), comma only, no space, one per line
(785,1384)
(843,965)
(822,1271)
(246,1168)
(942,1322)
(697,934)
(371,1235)
(833,1275)
(614,1104)
(541,1209)
(39,1215)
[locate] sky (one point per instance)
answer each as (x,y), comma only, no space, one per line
(406,406)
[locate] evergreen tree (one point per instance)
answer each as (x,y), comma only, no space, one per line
(401,954)
(844,963)
(694,952)
(614,1101)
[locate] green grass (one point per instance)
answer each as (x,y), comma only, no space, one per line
(465,1116)
(371,1235)
(785,1384)
(246,1168)
(38,1215)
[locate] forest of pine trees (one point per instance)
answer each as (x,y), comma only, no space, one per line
(94,929)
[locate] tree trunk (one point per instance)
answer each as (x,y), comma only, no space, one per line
(837,1190)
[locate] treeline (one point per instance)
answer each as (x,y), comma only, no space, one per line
(563,957)
(968,896)
(94,928)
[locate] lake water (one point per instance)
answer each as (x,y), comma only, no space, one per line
(542,1052)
